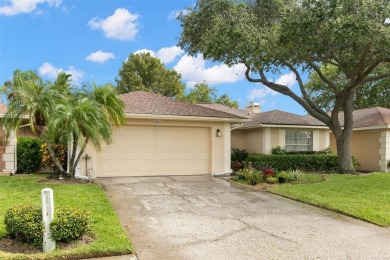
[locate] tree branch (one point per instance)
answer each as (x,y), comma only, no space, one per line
(322,76)
(374,78)
(359,65)
(286,91)
(371,68)
(303,91)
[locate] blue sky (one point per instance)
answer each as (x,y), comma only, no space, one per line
(91,38)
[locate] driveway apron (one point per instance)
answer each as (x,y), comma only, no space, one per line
(202,217)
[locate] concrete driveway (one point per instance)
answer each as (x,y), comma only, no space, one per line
(203,217)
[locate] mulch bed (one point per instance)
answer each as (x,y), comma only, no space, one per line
(16,247)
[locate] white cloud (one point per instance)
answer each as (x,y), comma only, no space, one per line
(100,56)
(166,55)
(169,54)
(152,53)
(15,7)
(193,70)
(175,14)
(50,71)
(121,25)
(287,80)
(258,93)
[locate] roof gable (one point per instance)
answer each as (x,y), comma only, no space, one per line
(142,102)
(227,109)
(277,117)
(369,117)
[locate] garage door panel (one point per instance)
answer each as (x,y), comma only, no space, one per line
(156,150)
(148,156)
(134,156)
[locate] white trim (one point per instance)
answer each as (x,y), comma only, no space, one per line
(267,141)
(227,146)
(285,126)
(316,140)
(189,118)
(371,127)
(282,138)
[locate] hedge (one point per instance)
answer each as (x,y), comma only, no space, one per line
(28,154)
(24,223)
(282,162)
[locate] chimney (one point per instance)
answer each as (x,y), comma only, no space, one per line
(253,108)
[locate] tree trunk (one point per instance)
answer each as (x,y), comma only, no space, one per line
(343,135)
(344,154)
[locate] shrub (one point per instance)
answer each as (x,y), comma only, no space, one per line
(236,166)
(278,150)
(267,172)
(24,223)
(250,176)
(239,155)
(28,154)
(271,180)
(47,160)
(295,175)
(69,224)
(318,162)
(284,174)
(237,159)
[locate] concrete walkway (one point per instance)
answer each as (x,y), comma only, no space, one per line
(209,218)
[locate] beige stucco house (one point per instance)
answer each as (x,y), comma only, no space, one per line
(270,129)
(164,136)
(8,153)
(370,142)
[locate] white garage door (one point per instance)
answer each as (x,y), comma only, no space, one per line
(156,150)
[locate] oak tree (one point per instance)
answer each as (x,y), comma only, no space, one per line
(300,36)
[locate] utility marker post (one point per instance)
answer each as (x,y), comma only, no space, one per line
(47,216)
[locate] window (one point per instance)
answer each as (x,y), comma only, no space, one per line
(299,141)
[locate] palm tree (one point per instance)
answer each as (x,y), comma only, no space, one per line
(62,113)
(31,99)
(85,118)
(79,122)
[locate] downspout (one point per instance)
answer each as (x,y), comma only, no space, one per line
(223,173)
(78,176)
(236,127)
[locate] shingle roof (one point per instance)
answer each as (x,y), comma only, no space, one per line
(277,117)
(3,109)
(142,102)
(369,117)
(227,109)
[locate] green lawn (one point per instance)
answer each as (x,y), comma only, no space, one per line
(109,236)
(365,197)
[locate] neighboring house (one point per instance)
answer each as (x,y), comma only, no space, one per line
(267,130)
(370,142)
(164,136)
(8,152)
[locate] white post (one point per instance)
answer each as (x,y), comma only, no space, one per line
(47,216)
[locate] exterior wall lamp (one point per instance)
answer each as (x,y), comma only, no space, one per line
(219,133)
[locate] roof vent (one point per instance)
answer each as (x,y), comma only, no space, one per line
(253,108)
